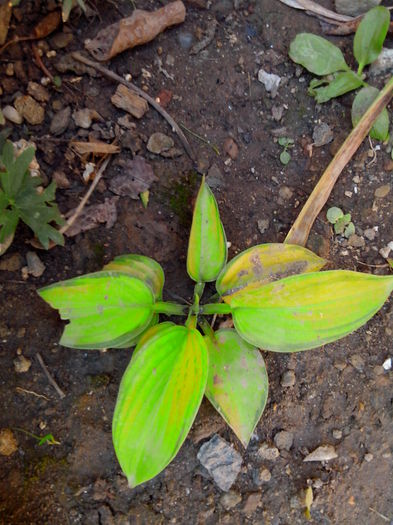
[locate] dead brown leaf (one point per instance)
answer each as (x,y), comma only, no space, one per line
(136,177)
(5,17)
(47,25)
(94,146)
(141,27)
(92,216)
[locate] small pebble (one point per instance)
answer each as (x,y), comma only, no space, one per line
(337,434)
(283,440)
(368,457)
(356,241)
(230,500)
(61,180)
(285,193)
(60,121)
(264,475)
(11,114)
(30,109)
(322,453)
(22,364)
(8,443)
(9,70)
(382,191)
(288,379)
(252,503)
(317,484)
(35,266)
(387,364)
(357,362)
(158,142)
(322,135)
(38,91)
(263,225)
(385,252)
(370,234)
(268,453)
(231,148)
(185,39)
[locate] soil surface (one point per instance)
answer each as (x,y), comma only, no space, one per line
(338,395)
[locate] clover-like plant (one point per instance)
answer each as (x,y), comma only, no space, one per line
(277,297)
(321,57)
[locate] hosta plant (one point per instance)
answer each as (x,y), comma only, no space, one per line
(321,57)
(277,297)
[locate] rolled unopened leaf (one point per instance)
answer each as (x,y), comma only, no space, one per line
(141,27)
(105,309)
(309,310)
(237,385)
(158,400)
(265,263)
(207,247)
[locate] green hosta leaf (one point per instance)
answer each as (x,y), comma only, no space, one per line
(361,103)
(158,400)
(207,247)
(308,310)
(237,385)
(141,267)
(342,83)
(105,308)
(264,263)
(317,54)
(370,36)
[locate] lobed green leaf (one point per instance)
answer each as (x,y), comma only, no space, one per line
(370,35)
(265,263)
(158,400)
(105,309)
(309,310)
(342,83)
(207,247)
(237,384)
(316,54)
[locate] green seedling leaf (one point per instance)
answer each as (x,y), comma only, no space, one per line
(308,310)
(370,36)
(145,198)
(317,54)
(207,247)
(66,9)
(349,230)
(237,384)
(342,223)
(285,141)
(361,103)
(144,268)
(265,263)
(342,83)
(49,439)
(158,400)
(285,157)
(105,309)
(334,214)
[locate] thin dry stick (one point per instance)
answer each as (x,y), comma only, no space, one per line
(50,378)
(300,230)
(109,74)
(83,202)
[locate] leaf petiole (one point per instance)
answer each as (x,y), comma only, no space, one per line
(215,308)
(162,307)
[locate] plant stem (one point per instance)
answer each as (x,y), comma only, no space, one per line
(206,328)
(300,230)
(198,290)
(162,307)
(215,308)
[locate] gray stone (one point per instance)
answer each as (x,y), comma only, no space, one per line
(215,178)
(268,453)
(230,500)
(382,191)
(322,134)
(337,434)
(158,142)
(264,475)
(288,379)
(384,62)
(270,81)
(252,503)
(285,193)
(60,121)
(35,266)
(370,234)
(221,461)
(357,362)
(355,7)
(38,91)
(283,440)
(263,225)
(356,241)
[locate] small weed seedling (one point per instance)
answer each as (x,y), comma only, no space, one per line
(341,222)
(286,143)
(321,57)
(21,200)
(277,297)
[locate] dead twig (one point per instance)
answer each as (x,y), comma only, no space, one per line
(86,197)
(317,10)
(109,74)
(41,65)
(20,389)
(300,230)
(49,376)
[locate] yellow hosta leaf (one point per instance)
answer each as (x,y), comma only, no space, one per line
(308,310)
(265,263)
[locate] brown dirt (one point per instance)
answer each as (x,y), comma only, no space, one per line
(339,387)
